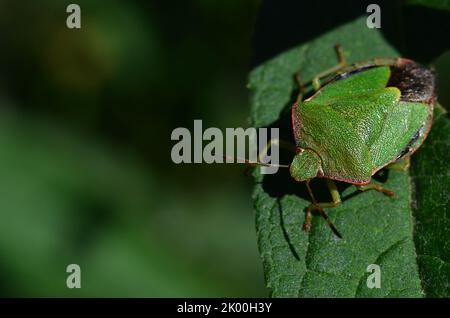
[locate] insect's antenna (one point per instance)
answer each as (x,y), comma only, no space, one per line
(321,211)
(255,163)
(330,224)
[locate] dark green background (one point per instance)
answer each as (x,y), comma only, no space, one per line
(86,175)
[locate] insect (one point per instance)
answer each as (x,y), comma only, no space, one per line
(368,116)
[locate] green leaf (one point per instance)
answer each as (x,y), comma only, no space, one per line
(431,177)
(376,229)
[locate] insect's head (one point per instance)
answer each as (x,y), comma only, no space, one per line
(305,165)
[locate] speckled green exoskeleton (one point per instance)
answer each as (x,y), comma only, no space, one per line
(368,116)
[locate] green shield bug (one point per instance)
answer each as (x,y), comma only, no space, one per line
(368,116)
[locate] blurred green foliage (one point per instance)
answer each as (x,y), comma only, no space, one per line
(86,175)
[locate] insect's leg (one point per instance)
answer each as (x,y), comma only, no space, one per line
(334,195)
(301,87)
(315,206)
(316,83)
(334,192)
(340,55)
(307,223)
(400,165)
(376,187)
(342,63)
